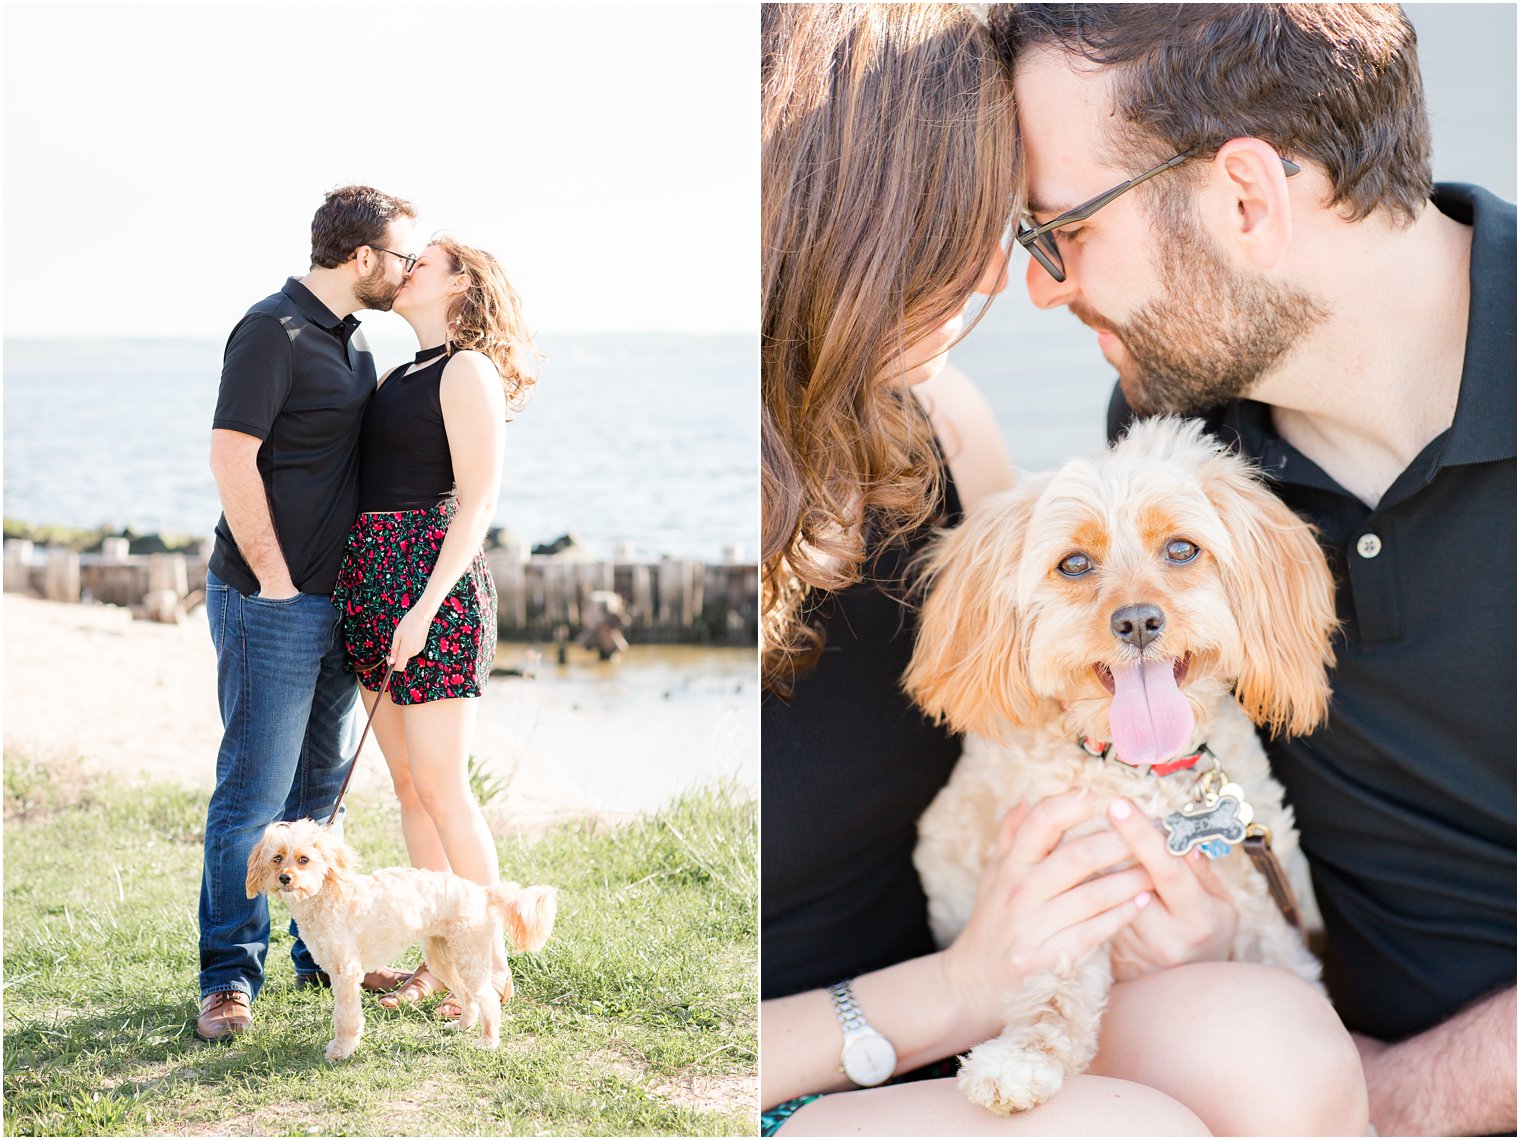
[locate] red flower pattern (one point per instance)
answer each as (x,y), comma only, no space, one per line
(389,557)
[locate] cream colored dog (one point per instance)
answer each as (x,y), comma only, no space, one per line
(1156,599)
(352,923)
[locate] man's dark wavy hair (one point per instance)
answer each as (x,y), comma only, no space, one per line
(1337,84)
(349,217)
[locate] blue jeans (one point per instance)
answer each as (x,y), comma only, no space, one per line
(287,711)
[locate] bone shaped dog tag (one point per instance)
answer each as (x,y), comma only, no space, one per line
(1205,823)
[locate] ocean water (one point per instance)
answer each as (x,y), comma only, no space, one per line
(650,440)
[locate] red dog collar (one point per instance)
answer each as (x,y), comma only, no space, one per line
(1104,750)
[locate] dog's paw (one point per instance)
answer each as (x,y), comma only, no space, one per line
(337,1049)
(1010,1082)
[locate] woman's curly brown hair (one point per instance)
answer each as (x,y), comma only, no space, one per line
(487,318)
(887,177)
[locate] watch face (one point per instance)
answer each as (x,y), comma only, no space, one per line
(869,1059)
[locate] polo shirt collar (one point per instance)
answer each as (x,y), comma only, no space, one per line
(315,311)
(1483,426)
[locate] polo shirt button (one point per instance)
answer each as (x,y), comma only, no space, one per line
(1369,546)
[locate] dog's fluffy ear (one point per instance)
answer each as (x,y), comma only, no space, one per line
(1284,600)
(341,860)
(259,870)
(967,668)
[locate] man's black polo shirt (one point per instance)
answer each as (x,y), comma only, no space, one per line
(297,377)
(1406,798)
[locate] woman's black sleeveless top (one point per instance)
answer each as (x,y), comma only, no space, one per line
(846,768)
(404,460)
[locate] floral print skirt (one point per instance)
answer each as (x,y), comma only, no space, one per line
(385,569)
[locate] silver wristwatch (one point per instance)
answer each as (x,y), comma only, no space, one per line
(868,1058)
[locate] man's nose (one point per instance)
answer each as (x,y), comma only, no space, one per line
(1044,290)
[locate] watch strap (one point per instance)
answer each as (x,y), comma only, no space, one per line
(847,1009)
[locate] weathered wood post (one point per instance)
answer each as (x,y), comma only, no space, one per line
(168,583)
(508,564)
(643,596)
(18,565)
(680,595)
(168,572)
(60,580)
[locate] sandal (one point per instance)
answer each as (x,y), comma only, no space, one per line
(449,1010)
(417,988)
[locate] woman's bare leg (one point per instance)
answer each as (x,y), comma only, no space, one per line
(1085,1106)
(422,845)
(438,735)
(1253,1050)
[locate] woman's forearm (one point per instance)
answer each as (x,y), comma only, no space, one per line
(911,1004)
(463,538)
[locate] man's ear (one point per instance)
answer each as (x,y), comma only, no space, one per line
(364,259)
(1255,208)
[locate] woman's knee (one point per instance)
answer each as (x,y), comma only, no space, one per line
(1253,1033)
(1299,1043)
(404,785)
(440,795)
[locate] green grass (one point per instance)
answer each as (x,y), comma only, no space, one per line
(639,1017)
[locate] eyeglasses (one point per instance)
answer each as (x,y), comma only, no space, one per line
(407,260)
(1041,245)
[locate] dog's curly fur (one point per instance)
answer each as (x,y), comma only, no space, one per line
(1019,656)
(353,923)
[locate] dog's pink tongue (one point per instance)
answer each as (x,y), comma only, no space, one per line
(1149,717)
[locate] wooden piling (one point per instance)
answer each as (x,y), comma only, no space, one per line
(18,565)
(60,581)
(672,600)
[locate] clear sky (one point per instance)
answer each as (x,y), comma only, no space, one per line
(162,162)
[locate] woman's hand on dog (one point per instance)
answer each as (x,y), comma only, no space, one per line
(1041,901)
(1193,919)
(410,637)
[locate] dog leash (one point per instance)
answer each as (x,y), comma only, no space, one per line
(369,720)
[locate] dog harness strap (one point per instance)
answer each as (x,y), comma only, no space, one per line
(1258,846)
(354,763)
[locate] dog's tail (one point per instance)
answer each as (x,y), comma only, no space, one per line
(527,911)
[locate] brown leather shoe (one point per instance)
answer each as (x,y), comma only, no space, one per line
(223,1015)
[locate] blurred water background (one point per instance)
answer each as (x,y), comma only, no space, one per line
(643,439)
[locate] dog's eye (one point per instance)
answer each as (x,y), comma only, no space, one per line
(1180,550)
(303,860)
(1075,565)
(277,858)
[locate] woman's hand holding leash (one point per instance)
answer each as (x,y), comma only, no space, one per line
(410,637)
(1041,901)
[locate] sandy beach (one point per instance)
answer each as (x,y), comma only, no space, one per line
(136,700)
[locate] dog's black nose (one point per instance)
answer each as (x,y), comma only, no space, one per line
(1138,625)
(284,880)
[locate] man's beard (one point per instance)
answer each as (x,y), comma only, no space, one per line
(1216,334)
(375,292)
